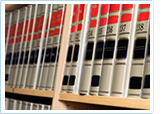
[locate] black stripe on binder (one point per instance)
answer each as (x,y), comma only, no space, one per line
(21,57)
(58,54)
(148,49)
(26,57)
(72,80)
(99,50)
(14,58)
(53,54)
(48,54)
(65,80)
(42,56)
(122,48)
(6,77)
(135,83)
(89,51)
(31,57)
(139,48)
(95,80)
(69,54)
(76,53)
(109,49)
(36,56)
(9,60)
(146,81)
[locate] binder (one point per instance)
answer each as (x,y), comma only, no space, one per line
(24,105)
(6,103)
(11,46)
(19,105)
(124,50)
(39,45)
(18,45)
(29,106)
(24,44)
(79,43)
(12,104)
(139,52)
(99,50)
(110,50)
(41,107)
(90,50)
(27,59)
(47,107)
(70,48)
(35,106)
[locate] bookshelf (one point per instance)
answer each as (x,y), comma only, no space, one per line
(66,101)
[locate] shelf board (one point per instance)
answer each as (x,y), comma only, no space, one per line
(106,100)
(13,7)
(32,92)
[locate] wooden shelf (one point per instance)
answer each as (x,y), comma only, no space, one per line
(108,101)
(32,92)
(13,7)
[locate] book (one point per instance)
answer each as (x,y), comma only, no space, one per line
(146,77)
(18,46)
(90,50)
(35,106)
(24,105)
(27,59)
(24,44)
(47,107)
(99,50)
(110,50)
(70,48)
(139,51)
(41,107)
(29,106)
(12,104)
(124,50)
(39,45)
(6,103)
(19,105)
(11,46)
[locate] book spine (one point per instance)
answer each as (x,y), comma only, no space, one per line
(70,48)
(6,103)
(80,37)
(29,36)
(99,50)
(44,46)
(146,77)
(47,107)
(110,50)
(24,105)
(34,53)
(124,50)
(19,105)
(23,47)
(90,50)
(35,106)
(41,107)
(29,106)
(39,45)
(139,51)
(56,45)
(11,48)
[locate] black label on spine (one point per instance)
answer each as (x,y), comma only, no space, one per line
(58,54)
(122,48)
(65,80)
(26,57)
(95,80)
(146,81)
(139,48)
(36,56)
(31,57)
(69,54)
(53,54)
(6,77)
(99,50)
(89,51)
(21,57)
(14,58)
(9,60)
(135,83)
(109,49)
(42,56)
(72,80)
(148,49)
(47,56)
(76,53)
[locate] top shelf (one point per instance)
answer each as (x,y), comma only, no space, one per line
(13,7)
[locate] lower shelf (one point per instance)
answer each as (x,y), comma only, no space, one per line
(32,92)
(106,100)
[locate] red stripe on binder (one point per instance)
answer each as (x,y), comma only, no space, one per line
(104,9)
(103,21)
(5,42)
(39,35)
(25,38)
(41,22)
(14,28)
(144,6)
(31,26)
(35,36)
(51,32)
(47,22)
(18,29)
(81,12)
(79,27)
(53,20)
(127,6)
(73,28)
(113,19)
(126,18)
(26,27)
(57,31)
(143,16)
(114,7)
(37,25)
(94,10)
(45,34)
(29,37)
(59,16)
(93,23)
(75,14)
(12,41)
(64,17)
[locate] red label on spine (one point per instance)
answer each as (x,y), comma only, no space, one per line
(45,34)
(127,6)
(6,31)
(47,22)
(29,37)
(53,20)
(41,22)
(57,31)
(93,23)
(31,26)
(75,14)
(143,16)
(144,6)
(35,36)
(51,32)
(24,38)
(113,19)
(94,10)
(22,25)
(36,25)
(12,41)
(79,27)
(73,28)
(26,27)
(39,35)
(59,16)
(103,21)
(126,18)
(81,12)
(13,31)
(114,7)
(63,17)
(104,9)
(17,40)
